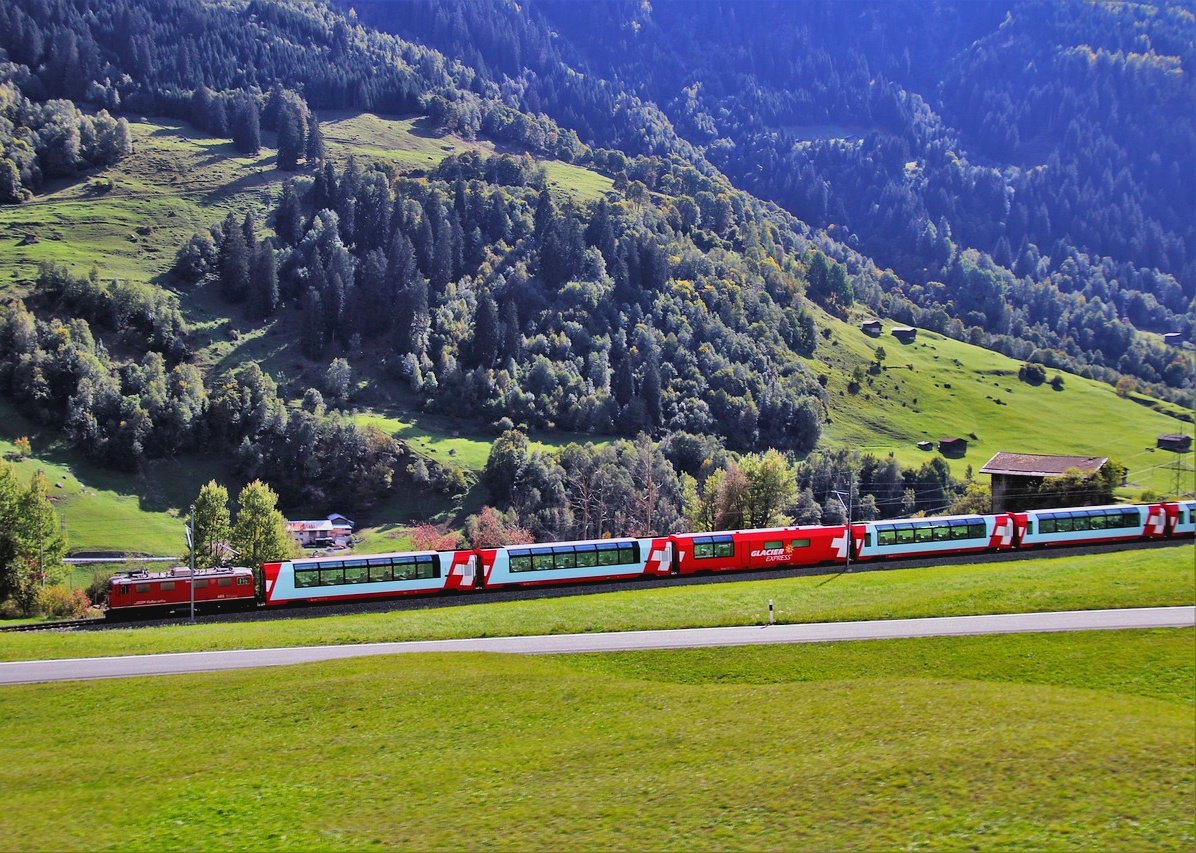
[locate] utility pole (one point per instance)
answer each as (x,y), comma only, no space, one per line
(191,548)
(847,509)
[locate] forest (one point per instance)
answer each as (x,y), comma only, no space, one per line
(1046,144)
(1015,176)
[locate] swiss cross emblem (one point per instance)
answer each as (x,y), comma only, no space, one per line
(839,543)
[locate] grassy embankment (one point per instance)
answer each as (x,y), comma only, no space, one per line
(180,181)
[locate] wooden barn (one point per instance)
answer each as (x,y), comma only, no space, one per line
(1015,474)
(905,334)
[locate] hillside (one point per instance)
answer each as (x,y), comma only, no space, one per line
(353,304)
(185,179)
(1055,138)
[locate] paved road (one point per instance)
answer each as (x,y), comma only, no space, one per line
(25,672)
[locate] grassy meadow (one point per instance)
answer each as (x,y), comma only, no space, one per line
(1079,740)
(1066,741)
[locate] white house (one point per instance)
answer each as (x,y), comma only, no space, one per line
(335,530)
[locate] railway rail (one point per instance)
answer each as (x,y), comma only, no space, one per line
(438,600)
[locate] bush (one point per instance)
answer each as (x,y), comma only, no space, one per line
(60,602)
(97,590)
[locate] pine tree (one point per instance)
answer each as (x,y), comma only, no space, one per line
(315,142)
(234,262)
(263,285)
(486,332)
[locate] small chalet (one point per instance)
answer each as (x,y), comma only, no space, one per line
(953,446)
(333,531)
(1178,442)
(905,334)
(1173,339)
(872,327)
(1016,474)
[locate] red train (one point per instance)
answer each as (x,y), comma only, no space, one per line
(144,594)
(372,576)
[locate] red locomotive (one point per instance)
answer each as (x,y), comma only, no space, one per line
(144,593)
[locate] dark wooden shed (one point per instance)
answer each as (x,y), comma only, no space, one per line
(905,334)
(1015,474)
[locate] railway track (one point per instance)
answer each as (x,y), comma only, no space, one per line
(423,602)
(57,625)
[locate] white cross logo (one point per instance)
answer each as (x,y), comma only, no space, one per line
(839,543)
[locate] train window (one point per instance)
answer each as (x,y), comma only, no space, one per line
(703,549)
(1046,525)
(143,587)
(379,569)
(1099,522)
(942,533)
(905,535)
(404,568)
(1130,518)
(305,565)
(977,530)
(305,578)
(960,531)
(167,586)
(1081,522)
(224,582)
(923,533)
(427,568)
(629,552)
(773,545)
(564,558)
(542,560)
(521,561)
(608,554)
(201,583)
(886,536)
(356,571)
(1063,524)
(587,556)
(243,581)
(331,577)
(724,546)
(800,543)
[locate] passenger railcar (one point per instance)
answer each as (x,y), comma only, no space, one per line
(750,550)
(929,537)
(590,561)
(1091,524)
(143,594)
(330,579)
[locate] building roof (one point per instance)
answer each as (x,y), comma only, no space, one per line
(323,524)
(1034,465)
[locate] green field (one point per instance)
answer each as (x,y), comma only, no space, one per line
(896,744)
(1076,740)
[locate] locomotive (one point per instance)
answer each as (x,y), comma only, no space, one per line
(143,594)
(373,576)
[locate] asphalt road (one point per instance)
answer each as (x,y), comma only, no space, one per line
(26,672)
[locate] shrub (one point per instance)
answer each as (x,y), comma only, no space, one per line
(60,602)
(97,590)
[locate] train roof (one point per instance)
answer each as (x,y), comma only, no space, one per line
(178,573)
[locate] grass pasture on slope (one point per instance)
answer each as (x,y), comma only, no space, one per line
(937,387)
(888,744)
